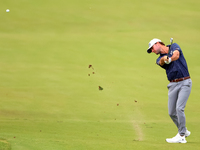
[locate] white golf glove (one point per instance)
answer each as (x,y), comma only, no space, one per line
(169,60)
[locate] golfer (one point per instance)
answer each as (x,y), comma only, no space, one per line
(179,86)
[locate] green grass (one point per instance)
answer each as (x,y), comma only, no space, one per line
(48,100)
(4,145)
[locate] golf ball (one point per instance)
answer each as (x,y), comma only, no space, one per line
(7,10)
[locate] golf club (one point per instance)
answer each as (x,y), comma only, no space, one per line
(171,41)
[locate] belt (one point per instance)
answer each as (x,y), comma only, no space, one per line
(180,79)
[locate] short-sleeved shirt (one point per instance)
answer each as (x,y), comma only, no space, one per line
(176,69)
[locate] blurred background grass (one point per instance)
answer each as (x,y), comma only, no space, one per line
(48,100)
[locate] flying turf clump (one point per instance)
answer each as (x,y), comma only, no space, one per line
(100,88)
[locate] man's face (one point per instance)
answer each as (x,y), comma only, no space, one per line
(156,48)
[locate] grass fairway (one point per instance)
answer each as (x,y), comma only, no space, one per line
(50,98)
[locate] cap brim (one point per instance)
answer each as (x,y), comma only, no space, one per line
(149,50)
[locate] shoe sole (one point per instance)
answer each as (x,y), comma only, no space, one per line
(177,142)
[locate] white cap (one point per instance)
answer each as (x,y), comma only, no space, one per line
(151,43)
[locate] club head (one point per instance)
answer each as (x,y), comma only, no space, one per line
(171,40)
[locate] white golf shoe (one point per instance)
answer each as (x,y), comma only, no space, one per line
(187,133)
(177,139)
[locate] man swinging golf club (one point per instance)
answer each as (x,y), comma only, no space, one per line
(172,60)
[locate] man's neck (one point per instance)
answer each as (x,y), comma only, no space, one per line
(164,49)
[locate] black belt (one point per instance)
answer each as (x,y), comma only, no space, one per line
(180,79)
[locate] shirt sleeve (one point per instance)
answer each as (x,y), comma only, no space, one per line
(157,62)
(176,47)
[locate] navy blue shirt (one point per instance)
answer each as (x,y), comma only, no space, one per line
(176,69)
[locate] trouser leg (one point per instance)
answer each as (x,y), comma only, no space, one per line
(177,98)
(172,99)
(183,96)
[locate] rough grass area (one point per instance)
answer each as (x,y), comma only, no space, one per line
(4,145)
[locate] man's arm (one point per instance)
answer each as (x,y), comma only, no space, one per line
(174,57)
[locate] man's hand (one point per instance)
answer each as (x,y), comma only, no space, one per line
(167,60)
(174,57)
